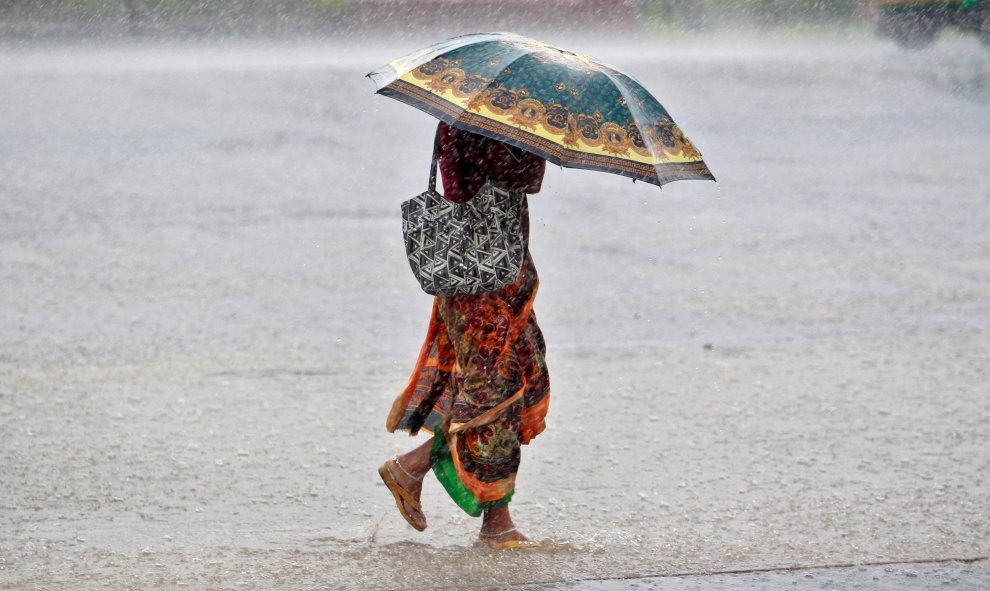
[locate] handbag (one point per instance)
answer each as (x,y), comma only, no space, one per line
(464,248)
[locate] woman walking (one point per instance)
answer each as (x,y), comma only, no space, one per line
(480,385)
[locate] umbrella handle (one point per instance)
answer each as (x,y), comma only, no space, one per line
(433,163)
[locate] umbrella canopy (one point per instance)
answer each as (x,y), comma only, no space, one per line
(569,108)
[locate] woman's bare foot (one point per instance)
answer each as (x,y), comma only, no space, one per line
(499,533)
(407,472)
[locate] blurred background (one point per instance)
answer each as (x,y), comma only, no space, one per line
(912,23)
(25,19)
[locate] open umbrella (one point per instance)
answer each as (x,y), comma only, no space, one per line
(569,108)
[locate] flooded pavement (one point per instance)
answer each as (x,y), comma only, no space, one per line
(886,577)
(206,312)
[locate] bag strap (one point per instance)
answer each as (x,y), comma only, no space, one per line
(433,164)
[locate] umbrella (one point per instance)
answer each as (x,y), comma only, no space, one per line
(569,108)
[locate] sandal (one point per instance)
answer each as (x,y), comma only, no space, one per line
(403,498)
(484,541)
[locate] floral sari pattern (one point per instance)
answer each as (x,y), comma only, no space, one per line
(481,386)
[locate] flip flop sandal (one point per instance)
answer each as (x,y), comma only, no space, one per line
(507,544)
(403,498)
(514,544)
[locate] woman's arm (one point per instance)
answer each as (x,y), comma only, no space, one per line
(466,159)
(523,170)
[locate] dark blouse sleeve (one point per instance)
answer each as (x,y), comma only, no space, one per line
(467,159)
(461,176)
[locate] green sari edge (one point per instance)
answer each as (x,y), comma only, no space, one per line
(446,473)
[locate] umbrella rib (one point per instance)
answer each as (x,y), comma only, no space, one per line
(619,85)
(521,54)
(637,113)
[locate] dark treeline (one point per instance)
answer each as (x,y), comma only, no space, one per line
(66,18)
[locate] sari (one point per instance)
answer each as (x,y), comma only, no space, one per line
(480,383)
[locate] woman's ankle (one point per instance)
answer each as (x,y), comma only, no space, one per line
(497,519)
(417,461)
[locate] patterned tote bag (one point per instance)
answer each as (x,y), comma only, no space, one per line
(464,248)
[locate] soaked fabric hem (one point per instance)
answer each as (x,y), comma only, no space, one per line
(397,412)
(534,419)
(445,469)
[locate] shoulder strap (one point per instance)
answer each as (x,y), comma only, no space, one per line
(433,163)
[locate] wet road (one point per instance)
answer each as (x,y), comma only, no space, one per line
(958,576)
(205,313)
